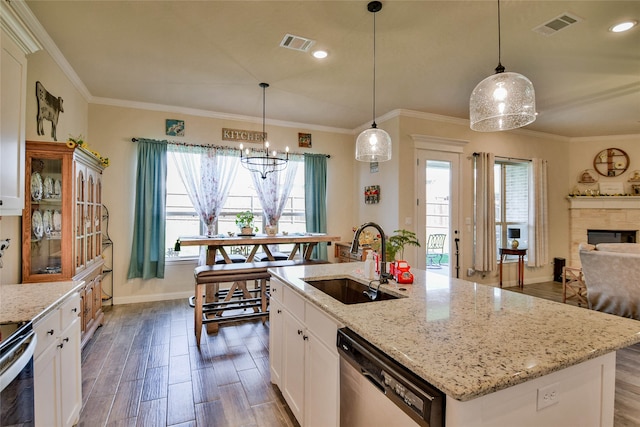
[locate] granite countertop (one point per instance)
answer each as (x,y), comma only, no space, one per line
(465,338)
(32,301)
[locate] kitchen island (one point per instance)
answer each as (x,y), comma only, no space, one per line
(491,351)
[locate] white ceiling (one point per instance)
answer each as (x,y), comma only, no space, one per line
(211,55)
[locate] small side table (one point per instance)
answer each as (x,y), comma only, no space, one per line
(520,253)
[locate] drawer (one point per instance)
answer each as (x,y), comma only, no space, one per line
(294,303)
(70,310)
(275,288)
(47,330)
(323,326)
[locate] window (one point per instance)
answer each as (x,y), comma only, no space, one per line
(511,181)
(182,219)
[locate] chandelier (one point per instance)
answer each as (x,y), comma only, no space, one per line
(373,145)
(261,161)
(502,101)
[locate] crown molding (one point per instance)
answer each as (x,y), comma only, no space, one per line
(213,114)
(32,23)
(16,29)
(605,138)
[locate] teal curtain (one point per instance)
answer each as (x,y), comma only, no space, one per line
(147,251)
(315,200)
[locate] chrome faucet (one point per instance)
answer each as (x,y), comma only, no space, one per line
(384,276)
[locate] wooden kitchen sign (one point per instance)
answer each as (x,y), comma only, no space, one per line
(240,135)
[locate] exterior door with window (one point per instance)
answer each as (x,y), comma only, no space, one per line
(438,192)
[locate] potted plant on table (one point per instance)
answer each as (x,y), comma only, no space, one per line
(244,221)
(395,244)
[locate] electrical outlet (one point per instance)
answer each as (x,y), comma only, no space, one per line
(470,272)
(548,395)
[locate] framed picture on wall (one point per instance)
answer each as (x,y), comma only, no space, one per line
(304,140)
(174,127)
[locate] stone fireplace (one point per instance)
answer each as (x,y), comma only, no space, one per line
(601,214)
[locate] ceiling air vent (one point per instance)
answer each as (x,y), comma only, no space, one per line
(558,23)
(296,43)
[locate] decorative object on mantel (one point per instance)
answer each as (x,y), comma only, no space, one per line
(635,177)
(79,142)
(372,194)
(261,161)
(611,188)
(611,162)
(373,145)
(588,176)
(636,189)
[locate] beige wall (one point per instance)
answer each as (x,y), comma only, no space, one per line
(584,150)
(398,178)
(112,129)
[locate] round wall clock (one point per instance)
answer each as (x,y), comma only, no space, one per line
(611,162)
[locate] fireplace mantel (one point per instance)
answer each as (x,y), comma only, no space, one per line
(604,202)
(600,213)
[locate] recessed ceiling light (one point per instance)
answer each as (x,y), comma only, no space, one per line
(320,54)
(623,26)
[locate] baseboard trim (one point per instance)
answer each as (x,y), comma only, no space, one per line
(135,299)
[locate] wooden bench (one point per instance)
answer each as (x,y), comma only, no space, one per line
(208,308)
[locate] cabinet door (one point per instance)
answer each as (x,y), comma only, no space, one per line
(322,384)
(70,375)
(293,364)
(276,322)
(80,218)
(13,76)
(45,387)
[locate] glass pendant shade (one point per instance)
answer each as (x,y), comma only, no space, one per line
(373,145)
(502,101)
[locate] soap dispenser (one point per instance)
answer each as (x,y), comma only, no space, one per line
(369,266)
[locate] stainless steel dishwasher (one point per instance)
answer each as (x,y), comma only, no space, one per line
(377,391)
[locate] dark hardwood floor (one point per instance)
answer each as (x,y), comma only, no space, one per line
(142,367)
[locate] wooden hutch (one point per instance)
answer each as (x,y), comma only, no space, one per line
(62,223)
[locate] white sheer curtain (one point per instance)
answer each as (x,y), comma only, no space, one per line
(538,254)
(207,174)
(274,190)
(485,213)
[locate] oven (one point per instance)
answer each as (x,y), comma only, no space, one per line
(375,390)
(16,375)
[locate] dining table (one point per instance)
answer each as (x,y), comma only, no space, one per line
(303,244)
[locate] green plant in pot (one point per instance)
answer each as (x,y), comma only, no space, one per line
(244,221)
(395,244)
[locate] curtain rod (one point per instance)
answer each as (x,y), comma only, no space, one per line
(189,144)
(505,158)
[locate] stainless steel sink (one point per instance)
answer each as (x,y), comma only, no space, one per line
(347,290)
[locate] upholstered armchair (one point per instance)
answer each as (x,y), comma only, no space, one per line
(612,277)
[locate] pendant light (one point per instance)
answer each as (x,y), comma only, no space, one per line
(373,145)
(261,161)
(502,101)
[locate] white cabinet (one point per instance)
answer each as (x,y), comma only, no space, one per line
(13,76)
(276,319)
(57,378)
(304,360)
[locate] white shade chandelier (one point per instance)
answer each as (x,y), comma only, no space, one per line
(502,101)
(261,161)
(373,145)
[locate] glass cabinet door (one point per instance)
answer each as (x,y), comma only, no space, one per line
(46,215)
